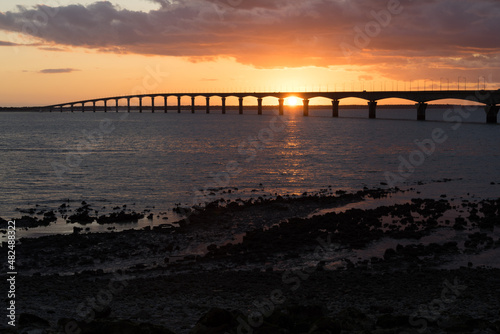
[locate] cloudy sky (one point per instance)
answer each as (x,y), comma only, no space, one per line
(70,50)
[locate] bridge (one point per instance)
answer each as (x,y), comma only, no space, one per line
(490,98)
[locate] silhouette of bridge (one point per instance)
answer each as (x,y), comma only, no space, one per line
(490,98)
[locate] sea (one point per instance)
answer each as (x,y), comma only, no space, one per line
(159,161)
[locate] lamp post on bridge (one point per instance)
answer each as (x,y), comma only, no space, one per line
(465,79)
(441,83)
(479,83)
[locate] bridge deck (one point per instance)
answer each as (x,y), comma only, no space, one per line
(490,98)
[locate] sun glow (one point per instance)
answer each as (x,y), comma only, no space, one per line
(292,101)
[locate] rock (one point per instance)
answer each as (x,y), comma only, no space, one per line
(306,313)
(215,321)
(392,321)
(27,320)
(389,254)
(352,319)
(386,309)
(34,331)
(325,326)
(460,324)
(120,217)
(121,327)
(389,331)
(102,313)
(143,314)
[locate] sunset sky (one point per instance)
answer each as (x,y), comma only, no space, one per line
(80,49)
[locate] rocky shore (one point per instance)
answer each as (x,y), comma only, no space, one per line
(272,266)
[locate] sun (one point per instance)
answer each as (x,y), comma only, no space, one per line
(292,101)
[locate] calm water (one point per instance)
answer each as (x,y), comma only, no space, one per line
(157,160)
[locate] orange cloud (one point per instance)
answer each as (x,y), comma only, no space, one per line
(449,34)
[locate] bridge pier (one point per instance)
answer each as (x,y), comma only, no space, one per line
(178,104)
(153,104)
(50,109)
(93,106)
(306,107)
(335,108)
(223,105)
(72,107)
(193,104)
(61,108)
(372,109)
(116,104)
(259,108)
(165,105)
(422,107)
(105,105)
(240,106)
(208,105)
(83,106)
(492,113)
(281,106)
(128,104)
(140,104)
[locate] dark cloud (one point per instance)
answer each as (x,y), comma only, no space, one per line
(57,70)
(3,43)
(281,33)
(52,49)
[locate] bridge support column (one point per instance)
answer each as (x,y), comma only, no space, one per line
(93,106)
(422,107)
(128,104)
(208,105)
(105,105)
(50,109)
(153,104)
(223,105)
(116,105)
(165,105)
(241,105)
(193,104)
(72,107)
(140,104)
(178,104)
(335,108)
(281,106)
(372,109)
(306,107)
(259,107)
(83,106)
(492,114)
